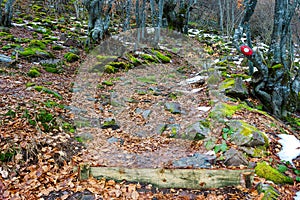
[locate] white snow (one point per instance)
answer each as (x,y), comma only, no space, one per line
(297,197)
(290,147)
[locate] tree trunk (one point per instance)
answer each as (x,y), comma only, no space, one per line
(276,83)
(5,18)
(99,17)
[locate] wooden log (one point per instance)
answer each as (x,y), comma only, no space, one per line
(172,178)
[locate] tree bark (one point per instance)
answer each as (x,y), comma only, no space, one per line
(99,17)
(276,83)
(6,16)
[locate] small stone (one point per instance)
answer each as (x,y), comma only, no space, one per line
(173,107)
(235,158)
(110,123)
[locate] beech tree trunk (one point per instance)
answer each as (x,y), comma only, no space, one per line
(277,81)
(6,16)
(99,17)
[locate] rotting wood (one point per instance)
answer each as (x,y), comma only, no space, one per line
(172,178)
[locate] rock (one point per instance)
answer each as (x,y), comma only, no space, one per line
(239,89)
(266,171)
(110,123)
(235,158)
(246,135)
(85,136)
(161,128)
(173,107)
(222,110)
(196,161)
(270,193)
(214,79)
(115,140)
(198,130)
(6,61)
(174,129)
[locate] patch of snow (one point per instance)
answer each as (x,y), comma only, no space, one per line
(204,108)
(297,197)
(290,148)
(195,79)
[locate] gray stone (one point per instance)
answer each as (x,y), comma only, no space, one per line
(197,131)
(246,135)
(110,123)
(197,161)
(173,107)
(161,128)
(239,89)
(86,136)
(6,61)
(174,129)
(270,192)
(115,140)
(235,158)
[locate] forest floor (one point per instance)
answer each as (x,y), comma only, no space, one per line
(42,136)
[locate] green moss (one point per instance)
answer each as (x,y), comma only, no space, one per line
(33,72)
(71,57)
(108,83)
(162,57)
(4,34)
(227,83)
(36,7)
(259,152)
(147,79)
(38,44)
(57,47)
(222,110)
(29,84)
(277,66)
(48,91)
(28,52)
(109,69)
(209,50)
(120,65)
(222,63)
(149,58)
(102,58)
(266,171)
(135,61)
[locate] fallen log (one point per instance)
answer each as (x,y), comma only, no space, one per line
(172,178)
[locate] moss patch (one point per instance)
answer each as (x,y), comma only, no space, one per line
(33,72)
(222,110)
(71,57)
(266,171)
(162,57)
(227,83)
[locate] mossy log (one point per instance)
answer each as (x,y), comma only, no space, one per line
(172,178)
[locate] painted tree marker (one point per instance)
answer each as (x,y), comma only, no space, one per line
(247,51)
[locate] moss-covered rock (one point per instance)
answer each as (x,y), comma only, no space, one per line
(57,47)
(33,72)
(227,83)
(135,61)
(149,58)
(221,110)
(247,135)
(37,43)
(162,57)
(48,91)
(266,171)
(71,57)
(120,65)
(35,52)
(109,69)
